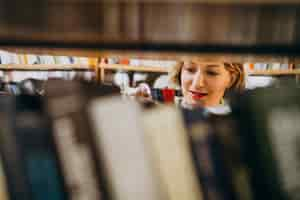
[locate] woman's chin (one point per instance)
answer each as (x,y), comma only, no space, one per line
(196,103)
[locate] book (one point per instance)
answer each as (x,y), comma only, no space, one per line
(275,66)
(14,168)
(168,139)
(8,58)
(208,156)
(32,59)
(22,59)
(62,60)
(225,131)
(14,58)
(122,149)
(66,103)
(284,66)
(47,59)
(268,122)
(3,182)
(33,136)
(27,151)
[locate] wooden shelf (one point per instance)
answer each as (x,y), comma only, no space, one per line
(195,1)
(274,72)
(45,67)
(135,68)
(153,55)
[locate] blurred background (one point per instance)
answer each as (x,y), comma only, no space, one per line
(72,126)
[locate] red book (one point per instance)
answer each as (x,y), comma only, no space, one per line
(168,95)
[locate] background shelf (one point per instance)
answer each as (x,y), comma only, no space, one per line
(274,72)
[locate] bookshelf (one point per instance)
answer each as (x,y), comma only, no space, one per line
(152,55)
(155,25)
(134,68)
(46,67)
(150,69)
(274,72)
(143,30)
(53,67)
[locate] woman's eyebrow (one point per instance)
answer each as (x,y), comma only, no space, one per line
(213,65)
(193,64)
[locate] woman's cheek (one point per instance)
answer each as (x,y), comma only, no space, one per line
(211,83)
(219,84)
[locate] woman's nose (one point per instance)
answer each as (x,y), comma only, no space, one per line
(198,80)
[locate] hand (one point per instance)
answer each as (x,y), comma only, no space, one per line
(141,93)
(143,90)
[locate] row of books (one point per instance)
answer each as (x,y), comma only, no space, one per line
(82,141)
(157,24)
(13,58)
(269,66)
(141,62)
(19,75)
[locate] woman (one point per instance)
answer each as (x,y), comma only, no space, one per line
(204,84)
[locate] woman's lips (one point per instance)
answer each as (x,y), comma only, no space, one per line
(198,95)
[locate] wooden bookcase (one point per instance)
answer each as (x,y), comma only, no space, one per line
(274,72)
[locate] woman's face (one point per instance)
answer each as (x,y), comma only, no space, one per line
(204,84)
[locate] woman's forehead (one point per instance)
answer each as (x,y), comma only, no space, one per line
(210,58)
(206,64)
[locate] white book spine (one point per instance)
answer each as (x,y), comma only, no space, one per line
(14,59)
(64,60)
(275,66)
(76,162)
(284,66)
(122,146)
(5,58)
(83,60)
(165,130)
(32,59)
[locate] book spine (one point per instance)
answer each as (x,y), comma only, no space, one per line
(169,145)
(122,149)
(4,195)
(211,169)
(14,168)
(228,143)
(76,160)
(201,149)
(257,138)
(71,136)
(33,135)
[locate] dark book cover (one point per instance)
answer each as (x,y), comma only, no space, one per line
(157,95)
(30,163)
(13,162)
(154,94)
(226,141)
(33,135)
(208,157)
(269,130)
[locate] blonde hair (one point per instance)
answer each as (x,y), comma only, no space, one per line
(236,71)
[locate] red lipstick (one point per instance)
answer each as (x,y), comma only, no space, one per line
(197,95)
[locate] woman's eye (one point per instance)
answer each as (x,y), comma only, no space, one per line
(212,73)
(190,69)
